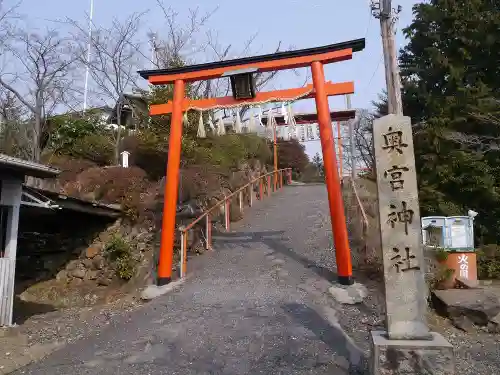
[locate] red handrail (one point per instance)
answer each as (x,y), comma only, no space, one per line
(278,175)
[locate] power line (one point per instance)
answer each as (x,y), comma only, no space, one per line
(375,71)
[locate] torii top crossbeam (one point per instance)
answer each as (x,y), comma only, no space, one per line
(264,63)
(241,73)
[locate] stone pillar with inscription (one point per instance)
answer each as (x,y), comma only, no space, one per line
(407,346)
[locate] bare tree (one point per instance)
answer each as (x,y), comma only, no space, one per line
(182,44)
(15,137)
(37,71)
(115,59)
(364,157)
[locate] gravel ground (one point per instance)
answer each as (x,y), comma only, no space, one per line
(257,305)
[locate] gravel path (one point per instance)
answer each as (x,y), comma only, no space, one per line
(257,305)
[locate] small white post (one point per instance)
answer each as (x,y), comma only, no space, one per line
(241,201)
(124,157)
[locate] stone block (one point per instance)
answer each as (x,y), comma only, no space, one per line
(349,295)
(92,251)
(400,228)
(411,357)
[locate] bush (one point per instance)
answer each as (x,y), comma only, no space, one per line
(229,151)
(96,148)
(291,154)
(119,253)
(488,262)
(311,174)
(66,129)
(201,182)
(148,151)
(110,184)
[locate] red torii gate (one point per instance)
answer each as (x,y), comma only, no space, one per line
(312,118)
(241,71)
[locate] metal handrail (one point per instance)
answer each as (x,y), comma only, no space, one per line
(278,183)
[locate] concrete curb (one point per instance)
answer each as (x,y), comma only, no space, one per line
(154,291)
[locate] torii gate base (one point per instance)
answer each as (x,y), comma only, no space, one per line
(315,58)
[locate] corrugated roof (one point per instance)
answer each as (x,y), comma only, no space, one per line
(27,168)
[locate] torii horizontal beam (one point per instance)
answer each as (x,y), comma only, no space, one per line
(264,63)
(312,118)
(306,92)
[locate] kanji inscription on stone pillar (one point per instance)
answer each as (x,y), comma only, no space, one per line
(400,228)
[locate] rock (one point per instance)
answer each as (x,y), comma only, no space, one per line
(349,295)
(62,275)
(463,323)
(478,305)
(105,236)
(92,275)
(493,327)
(73,265)
(89,197)
(153,291)
(87,263)
(467,284)
(78,273)
(92,251)
(134,232)
(141,246)
(98,262)
(104,281)
(496,319)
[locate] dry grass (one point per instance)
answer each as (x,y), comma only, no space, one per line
(364,230)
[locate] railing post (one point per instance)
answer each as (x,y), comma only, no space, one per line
(183,260)
(261,189)
(290,176)
(250,194)
(268,186)
(209,232)
(241,201)
(226,214)
(281,179)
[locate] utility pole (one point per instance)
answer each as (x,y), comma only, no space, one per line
(382,9)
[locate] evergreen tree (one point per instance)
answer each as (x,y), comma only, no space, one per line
(451,86)
(318,163)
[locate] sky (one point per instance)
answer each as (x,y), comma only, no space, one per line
(293,23)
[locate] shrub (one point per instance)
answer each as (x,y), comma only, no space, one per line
(201,181)
(67,129)
(119,253)
(488,262)
(148,151)
(441,255)
(110,184)
(229,151)
(291,154)
(96,148)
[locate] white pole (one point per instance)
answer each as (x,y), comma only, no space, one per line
(153,51)
(85,90)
